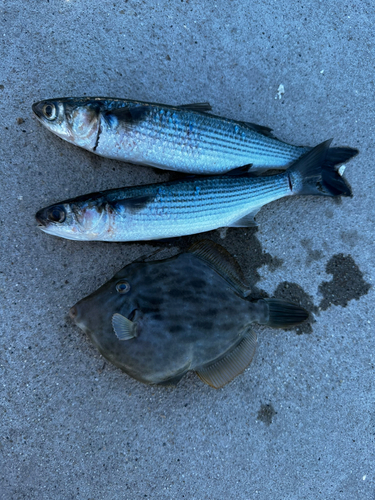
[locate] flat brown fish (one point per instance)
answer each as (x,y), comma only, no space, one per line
(158,320)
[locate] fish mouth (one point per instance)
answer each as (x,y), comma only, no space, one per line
(40,219)
(37,109)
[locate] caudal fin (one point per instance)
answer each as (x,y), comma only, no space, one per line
(282,314)
(336,156)
(314,173)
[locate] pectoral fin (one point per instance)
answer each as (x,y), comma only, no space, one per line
(223,371)
(128,116)
(132,205)
(123,327)
(219,259)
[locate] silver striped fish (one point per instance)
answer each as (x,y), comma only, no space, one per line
(182,138)
(187,206)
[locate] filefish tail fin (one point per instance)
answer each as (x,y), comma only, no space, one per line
(314,173)
(282,314)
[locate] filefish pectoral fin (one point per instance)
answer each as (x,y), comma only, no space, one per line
(197,106)
(227,368)
(221,261)
(246,221)
(123,327)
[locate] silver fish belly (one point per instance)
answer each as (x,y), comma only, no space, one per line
(187,206)
(181,138)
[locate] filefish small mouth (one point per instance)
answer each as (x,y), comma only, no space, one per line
(73,312)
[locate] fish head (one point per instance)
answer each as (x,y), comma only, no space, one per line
(93,314)
(75,120)
(74,220)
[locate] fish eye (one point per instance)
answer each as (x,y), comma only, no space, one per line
(49,111)
(123,286)
(56,214)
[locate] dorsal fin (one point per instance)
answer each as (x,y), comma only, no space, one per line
(219,259)
(258,128)
(223,371)
(197,106)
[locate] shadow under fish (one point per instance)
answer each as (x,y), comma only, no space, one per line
(158,320)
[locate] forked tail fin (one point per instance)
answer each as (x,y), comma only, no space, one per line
(314,173)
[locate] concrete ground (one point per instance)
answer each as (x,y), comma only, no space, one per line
(299,423)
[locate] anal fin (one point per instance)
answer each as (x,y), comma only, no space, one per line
(227,368)
(246,221)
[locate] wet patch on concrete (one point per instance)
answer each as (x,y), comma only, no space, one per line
(295,293)
(347,282)
(350,237)
(266,414)
(312,255)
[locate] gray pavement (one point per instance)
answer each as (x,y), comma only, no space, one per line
(299,423)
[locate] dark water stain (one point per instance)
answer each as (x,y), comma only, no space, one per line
(295,293)
(347,282)
(350,237)
(266,414)
(312,255)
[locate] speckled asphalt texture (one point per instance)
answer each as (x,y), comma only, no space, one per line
(299,423)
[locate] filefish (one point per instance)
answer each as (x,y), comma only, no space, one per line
(158,320)
(187,206)
(183,138)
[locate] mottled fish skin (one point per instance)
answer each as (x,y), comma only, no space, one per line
(187,316)
(187,206)
(167,137)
